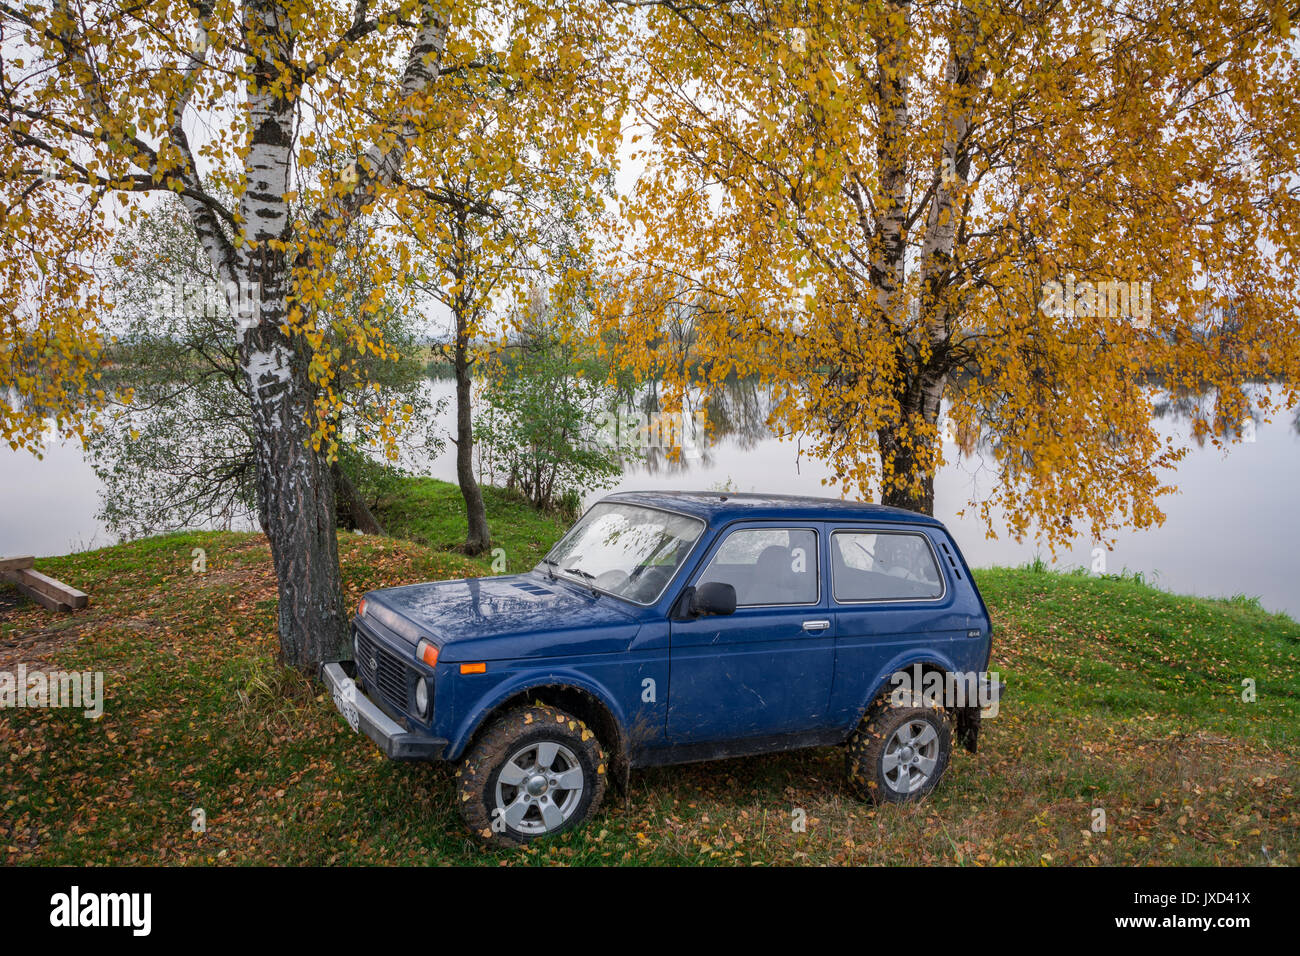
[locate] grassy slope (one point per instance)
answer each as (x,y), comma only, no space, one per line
(432,512)
(1120,697)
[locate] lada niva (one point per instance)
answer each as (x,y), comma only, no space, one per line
(674,627)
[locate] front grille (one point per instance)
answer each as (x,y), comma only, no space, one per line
(382,671)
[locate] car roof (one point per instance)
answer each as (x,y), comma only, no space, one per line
(720,507)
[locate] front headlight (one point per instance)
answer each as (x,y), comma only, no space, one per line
(422,697)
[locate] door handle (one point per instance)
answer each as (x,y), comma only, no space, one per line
(816,625)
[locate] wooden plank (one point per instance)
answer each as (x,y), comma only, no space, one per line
(52,588)
(33,580)
(13,564)
(44,600)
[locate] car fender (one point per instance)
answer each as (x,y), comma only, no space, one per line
(903,661)
(532,679)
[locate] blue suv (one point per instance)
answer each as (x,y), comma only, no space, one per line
(674,627)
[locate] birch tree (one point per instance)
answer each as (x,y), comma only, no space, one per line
(309,114)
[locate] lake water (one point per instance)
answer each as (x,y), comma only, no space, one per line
(1231,528)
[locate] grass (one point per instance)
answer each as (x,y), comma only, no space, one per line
(432,512)
(1120,697)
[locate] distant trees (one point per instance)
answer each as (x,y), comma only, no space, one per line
(539,431)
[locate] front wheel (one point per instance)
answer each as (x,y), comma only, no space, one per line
(535,772)
(899,754)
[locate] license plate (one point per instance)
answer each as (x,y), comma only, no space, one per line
(345,699)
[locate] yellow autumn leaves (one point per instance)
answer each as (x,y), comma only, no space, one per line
(866,217)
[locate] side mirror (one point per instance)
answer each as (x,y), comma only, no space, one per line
(713,597)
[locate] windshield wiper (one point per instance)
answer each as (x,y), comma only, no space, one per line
(591,578)
(550,567)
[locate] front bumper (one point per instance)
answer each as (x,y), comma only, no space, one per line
(364,716)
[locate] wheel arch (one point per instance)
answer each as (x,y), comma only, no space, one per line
(570,693)
(928,661)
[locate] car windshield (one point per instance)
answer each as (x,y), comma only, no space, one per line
(625,550)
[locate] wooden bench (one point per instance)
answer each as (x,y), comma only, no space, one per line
(44,590)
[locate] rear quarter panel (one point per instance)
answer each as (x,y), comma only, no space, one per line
(874,640)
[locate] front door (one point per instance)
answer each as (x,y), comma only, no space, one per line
(766,669)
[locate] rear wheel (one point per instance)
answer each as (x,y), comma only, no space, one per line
(899,754)
(535,772)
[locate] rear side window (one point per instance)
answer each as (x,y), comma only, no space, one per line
(767,566)
(883,566)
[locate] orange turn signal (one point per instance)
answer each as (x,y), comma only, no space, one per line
(479,668)
(427,652)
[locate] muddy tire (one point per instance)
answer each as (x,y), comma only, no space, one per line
(536,771)
(898,754)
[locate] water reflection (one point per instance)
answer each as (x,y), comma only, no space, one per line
(1230,528)
(737,415)
(1203,409)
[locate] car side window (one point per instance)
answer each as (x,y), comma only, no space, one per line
(883,566)
(767,566)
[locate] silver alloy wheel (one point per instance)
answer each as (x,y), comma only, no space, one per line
(540,787)
(910,756)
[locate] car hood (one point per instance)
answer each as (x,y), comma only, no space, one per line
(508,616)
